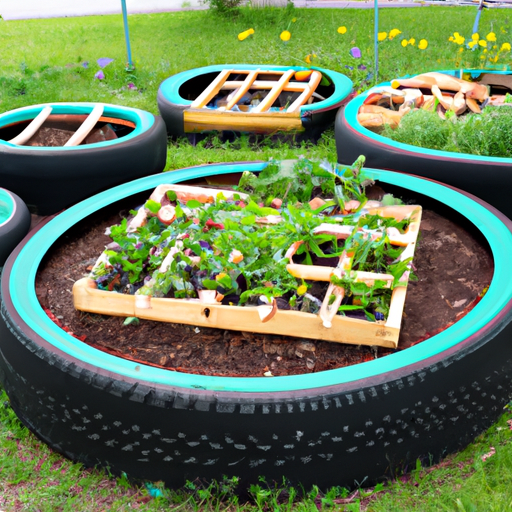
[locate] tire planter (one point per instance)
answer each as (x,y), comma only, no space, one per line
(487,177)
(345,427)
(14,222)
(50,179)
(176,95)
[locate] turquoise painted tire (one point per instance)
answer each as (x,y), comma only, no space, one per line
(489,178)
(50,179)
(349,426)
(172,101)
(14,222)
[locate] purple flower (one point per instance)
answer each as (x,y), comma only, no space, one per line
(131,85)
(355,52)
(85,64)
(104,61)
(361,66)
(349,67)
(99,75)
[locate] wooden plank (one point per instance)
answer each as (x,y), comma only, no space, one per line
(85,127)
(32,128)
(271,97)
(211,90)
(200,120)
(248,82)
(314,80)
(193,312)
(265,84)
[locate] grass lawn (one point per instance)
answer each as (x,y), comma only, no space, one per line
(56,60)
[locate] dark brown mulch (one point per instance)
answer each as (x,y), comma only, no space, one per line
(453,269)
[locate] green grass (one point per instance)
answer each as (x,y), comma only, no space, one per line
(43,61)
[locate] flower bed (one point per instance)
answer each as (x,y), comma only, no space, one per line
(337,266)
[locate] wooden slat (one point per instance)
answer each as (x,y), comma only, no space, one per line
(211,90)
(86,127)
(314,80)
(248,82)
(265,84)
(200,120)
(271,97)
(32,128)
(190,312)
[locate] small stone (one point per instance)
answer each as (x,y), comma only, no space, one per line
(306,346)
(310,364)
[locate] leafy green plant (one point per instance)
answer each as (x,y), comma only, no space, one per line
(485,134)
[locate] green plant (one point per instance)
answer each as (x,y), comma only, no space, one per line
(483,134)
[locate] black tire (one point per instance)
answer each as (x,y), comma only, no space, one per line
(489,178)
(173,91)
(344,427)
(15,225)
(51,179)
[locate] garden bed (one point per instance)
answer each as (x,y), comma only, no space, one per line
(453,267)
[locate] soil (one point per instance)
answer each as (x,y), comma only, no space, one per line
(453,268)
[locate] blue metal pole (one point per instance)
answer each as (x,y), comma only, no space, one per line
(478,14)
(376,39)
(127,36)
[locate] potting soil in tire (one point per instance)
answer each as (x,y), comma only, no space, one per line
(453,269)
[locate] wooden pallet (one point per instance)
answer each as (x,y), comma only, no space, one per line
(198,117)
(267,319)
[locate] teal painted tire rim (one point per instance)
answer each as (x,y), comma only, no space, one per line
(170,88)
(142,120)
(22,290)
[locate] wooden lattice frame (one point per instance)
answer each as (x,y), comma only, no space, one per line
(240,87)
(267,319)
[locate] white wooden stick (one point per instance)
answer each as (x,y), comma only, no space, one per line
(86,126)
(32,128)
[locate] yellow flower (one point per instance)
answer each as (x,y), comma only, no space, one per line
(423,44)
(294,20)
(285,35)
(245,34)
(482,42)
(382,35)
(505,47)
(475,36)
(412,41)
(461,49)
(472,43)
(302,289)
(459,40)
(393,33)
(342,30)
(404,42)
(491,36)
(451,38)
